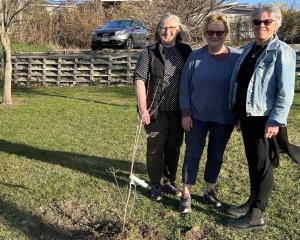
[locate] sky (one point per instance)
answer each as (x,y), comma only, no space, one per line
(297,2)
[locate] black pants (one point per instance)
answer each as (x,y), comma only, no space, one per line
(164,139)
(259,157)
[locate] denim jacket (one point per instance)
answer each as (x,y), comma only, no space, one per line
(271,87)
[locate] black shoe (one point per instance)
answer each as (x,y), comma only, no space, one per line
(171,188)
(252,220)
(210,197)
(156,193)
(239,211)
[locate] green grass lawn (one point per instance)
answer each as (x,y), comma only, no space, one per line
(25,47)
(57,146)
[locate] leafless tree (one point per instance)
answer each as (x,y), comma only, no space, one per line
(74,27)
(65,26)
(10,13)
(290,21)
(33,27)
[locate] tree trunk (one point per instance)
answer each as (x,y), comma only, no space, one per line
(7,68)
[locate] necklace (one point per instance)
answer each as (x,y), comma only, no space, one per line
(258,51)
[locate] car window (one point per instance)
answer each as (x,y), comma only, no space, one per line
(135,25)
(140,24)
(118,24)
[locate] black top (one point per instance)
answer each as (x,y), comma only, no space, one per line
(173,65)
(244,75)
(156,66)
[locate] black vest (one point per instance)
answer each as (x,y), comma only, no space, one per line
(156,74)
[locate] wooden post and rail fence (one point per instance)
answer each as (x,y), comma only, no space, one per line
(82,67)
(76,67)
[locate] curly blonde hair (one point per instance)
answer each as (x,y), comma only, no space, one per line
(216,17)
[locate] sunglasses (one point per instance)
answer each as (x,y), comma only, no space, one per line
(218,33)
(258,22)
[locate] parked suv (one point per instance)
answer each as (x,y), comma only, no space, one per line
(120,33)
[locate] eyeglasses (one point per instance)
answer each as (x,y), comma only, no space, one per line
(166,28)
(218,33)
(258,22)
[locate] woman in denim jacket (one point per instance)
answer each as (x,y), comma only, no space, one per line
(262,89)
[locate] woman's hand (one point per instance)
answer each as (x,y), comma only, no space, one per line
(145,117)
(271,131)
(187,123)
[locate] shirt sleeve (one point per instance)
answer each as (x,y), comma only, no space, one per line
(185,88)
(142,66)
(285,73)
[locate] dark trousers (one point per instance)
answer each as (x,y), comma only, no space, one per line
(218,137)
(164,139)
(258,153)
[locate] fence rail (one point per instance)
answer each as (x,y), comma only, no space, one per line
(82,67)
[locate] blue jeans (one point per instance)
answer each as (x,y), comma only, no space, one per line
(218,136)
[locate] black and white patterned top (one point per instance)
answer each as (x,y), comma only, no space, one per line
(171,82)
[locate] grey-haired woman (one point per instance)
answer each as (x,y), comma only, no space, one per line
(262,88)
(157,80)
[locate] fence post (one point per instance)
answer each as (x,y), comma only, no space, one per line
(109,67)
(75,69)
(92,69)
(58,71)
(15,69)
(29,70)
(44,71)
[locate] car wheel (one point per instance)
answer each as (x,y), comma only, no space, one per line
(129,43)
(94,48)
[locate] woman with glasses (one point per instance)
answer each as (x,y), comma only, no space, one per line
(262,88)
(157,80)
(203,98)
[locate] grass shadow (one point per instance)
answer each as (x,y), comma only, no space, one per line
(172,203)
(91,165)
(59,226)
(13,185)
(41,93)
(296,105)
(218,214)
(32,226)
(81,99)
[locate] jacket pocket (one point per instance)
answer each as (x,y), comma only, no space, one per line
(266,64)
(268,60)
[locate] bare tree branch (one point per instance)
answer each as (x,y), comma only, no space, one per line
(18,11)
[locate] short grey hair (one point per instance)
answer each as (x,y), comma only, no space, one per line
(183,34)
(271,9)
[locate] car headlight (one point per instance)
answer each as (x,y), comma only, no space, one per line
(121,32)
